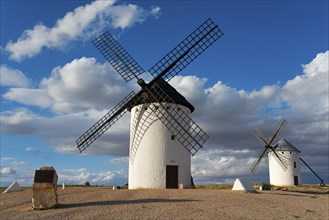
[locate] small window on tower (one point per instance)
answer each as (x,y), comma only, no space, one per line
(178,109)
(145,108)
(295,165)
(282,152)
(156,107)
(172,137)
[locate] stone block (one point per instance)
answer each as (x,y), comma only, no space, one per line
(44,195)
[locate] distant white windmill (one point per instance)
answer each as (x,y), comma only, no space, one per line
(290,156)
(284,162)
(284,159)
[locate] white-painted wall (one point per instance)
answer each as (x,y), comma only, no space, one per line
(152,148)
(281,177)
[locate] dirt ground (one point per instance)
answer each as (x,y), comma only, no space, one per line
(105,203)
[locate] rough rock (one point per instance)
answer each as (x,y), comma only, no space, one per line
(44,195)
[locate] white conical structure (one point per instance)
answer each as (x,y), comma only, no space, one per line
(13,187)
(243,185)
(291,157)
(157,160)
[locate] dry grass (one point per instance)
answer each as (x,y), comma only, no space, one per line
(214,186)
(306,188)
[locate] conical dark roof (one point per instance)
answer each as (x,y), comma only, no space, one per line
(284,145)
(176,97)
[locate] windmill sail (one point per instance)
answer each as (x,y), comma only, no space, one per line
(119,58)
(105,122)
(258,134)
(257,162)
(278,128)
(187,132)
(268,146)
(185,52)
(279,159)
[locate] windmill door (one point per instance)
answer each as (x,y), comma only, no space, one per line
(296,180)
(171,177)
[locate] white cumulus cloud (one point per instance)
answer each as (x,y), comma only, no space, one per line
(222,166)
(126,15)
(7,171)
(29,96)
(13,77)
(84,22)
(79,85)
(82,175)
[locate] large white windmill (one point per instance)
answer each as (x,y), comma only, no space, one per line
(162,134)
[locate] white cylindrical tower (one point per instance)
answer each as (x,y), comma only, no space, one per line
(290,155)
(156,159)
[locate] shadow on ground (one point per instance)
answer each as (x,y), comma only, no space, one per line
(122,202)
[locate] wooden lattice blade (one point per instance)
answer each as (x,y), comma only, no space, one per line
(259,159)
(178,122)
(259,135)
(118,57)
(277,130)
(185,52)
(106,122)
(279,159)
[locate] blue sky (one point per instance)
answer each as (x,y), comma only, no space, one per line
(272,62)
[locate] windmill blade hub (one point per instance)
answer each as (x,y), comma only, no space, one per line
(144,96)
(142,83)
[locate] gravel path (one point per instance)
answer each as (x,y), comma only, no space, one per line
(105,203)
